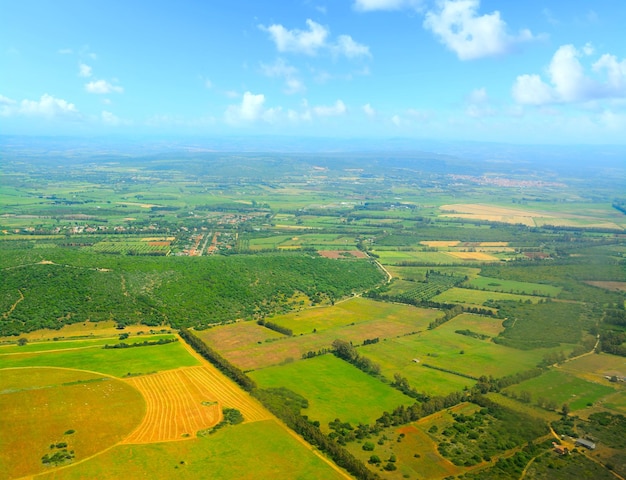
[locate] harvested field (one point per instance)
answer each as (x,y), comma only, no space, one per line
(174,407)
(342,254)
(175,403)
(613,286)
(440,243)
(480,256)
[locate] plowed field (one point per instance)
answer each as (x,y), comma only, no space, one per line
(186,400)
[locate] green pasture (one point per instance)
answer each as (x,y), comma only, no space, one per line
(444,348)
(252,451)
(394,257)
(331,385)
(563,388)
(44,406)
(71,344)
(117,362)
(479,297)
(355,311)
(512,286)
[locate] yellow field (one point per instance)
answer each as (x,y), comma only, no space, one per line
(175,403)
(49,406)
(440,243)
(474,256)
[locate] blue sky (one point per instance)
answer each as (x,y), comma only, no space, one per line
(520,72)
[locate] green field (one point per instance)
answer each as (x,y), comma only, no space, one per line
(354,311)
(326,382)
(511,286)
(479,297)
(562,388)
(258,450)
(116,362)
(71,344)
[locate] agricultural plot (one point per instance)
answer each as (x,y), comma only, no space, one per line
(77,413)
(176,407)
(561,388)
(394,257)
(479,297)
(130,247)
(329,383)
(434,284)
(117,362)
(512,286)
(445,349)
(254,451)
(474,256)
(354,311)
(596,368)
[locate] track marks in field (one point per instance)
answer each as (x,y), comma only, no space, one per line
(173,407)
(174,401)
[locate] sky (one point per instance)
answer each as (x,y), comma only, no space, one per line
(527,72)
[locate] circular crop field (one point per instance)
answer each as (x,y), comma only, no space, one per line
(53,417)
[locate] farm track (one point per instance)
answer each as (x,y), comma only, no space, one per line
(13,307)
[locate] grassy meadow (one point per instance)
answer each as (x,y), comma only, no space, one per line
(327,382)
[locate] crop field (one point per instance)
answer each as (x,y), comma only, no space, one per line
(287,349)
(563,388)
(477,323)
(479,297)
(355,311)
(46,406)
(596,367)
(476,256)
(394,257)
(117,362)
(174,407)
(613,286)
(443,348)
(326,382)
(512,286)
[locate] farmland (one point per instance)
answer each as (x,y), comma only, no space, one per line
(352,309)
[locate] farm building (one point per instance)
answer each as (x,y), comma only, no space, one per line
(560,449)
(583,442)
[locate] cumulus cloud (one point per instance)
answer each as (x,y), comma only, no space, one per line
(282,69)
(102,87)
(251,109)
(568,82)
(47,106)
(368,110)
(371,5)
(298,41)
(84,70)
(313,40)
(339,108)
(478,104)
(459,27)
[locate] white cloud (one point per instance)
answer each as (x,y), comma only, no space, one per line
(568,82)
(251,109)
(102,87)
(371,5)
(339,108)
(65,51)
(47,106)
(396,120)
(368,110)
(478,104)
(298,41)
(313,40)
(84,70)
(282,69)
(208,84)
(530,90)
(457,25)
(109,118)
(349,48)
